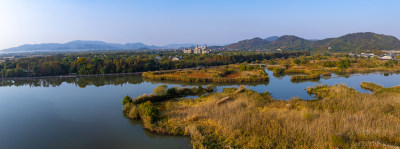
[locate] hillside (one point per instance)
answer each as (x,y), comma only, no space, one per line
(254,43)
(359,41)
(346,43)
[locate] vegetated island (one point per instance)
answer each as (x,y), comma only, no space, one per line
(220,74)
(241,118)
(313,67)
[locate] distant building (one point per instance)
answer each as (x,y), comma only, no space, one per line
(386,57)
(368,55)
(197,50)
(9,58)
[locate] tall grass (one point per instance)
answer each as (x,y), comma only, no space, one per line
(341,118)
(222,74)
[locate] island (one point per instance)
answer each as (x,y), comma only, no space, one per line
(219,74)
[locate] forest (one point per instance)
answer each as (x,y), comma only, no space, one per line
(125,62)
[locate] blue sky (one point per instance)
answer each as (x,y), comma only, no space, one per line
(160,22)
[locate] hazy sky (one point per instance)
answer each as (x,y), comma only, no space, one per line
(160,22)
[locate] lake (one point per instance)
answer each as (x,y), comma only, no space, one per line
(87,112)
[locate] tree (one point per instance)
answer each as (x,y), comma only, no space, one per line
(172,92)
(344,63)
(4,70)
(389,64)
(161,89)
(127,99)
(297,61)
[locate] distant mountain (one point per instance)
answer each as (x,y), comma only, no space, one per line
(346,43)
(272,38)
(359,41)
(254,43)
(91,45)
(79,45)
(288,42)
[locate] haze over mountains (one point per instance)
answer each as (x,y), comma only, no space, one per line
(349,42)
(91,45)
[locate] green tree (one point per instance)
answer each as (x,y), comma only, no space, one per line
(389,64)
(4,70)
(127,99)
(297,61)
(161,89)
(172,92)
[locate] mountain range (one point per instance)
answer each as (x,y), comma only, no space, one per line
(350,42)
(346,43)
(91,45)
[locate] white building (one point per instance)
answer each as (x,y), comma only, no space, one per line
(197,50)
(386,57)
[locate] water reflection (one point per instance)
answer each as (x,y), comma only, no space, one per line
(79,81)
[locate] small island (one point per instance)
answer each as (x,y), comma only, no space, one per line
(220,74)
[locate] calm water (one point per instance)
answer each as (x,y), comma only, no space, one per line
(87,112)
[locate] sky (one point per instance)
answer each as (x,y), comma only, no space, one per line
(161,22)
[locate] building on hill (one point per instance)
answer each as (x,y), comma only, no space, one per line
(197,50)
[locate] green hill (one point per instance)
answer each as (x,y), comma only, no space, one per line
(346,43)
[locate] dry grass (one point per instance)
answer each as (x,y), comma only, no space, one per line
(229,73)
(224,100)
(200,75)
(343,118)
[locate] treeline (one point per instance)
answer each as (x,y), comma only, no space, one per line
(124,62)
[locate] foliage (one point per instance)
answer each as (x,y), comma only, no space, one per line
(344,63)
(229,73)
(389,64)
(161,89)
(125,62)
(342,118)
(307,77)
(346,43)
(147,109)
(127,99)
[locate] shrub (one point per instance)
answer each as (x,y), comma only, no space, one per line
(277,70)
(308,77)
(147,109)
(172,92)
(160,90)
(388,64)
(126,100)
(297,61)
(229,90)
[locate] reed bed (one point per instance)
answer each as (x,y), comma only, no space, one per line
(341,118)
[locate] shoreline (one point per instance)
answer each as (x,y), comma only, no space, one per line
(94,75)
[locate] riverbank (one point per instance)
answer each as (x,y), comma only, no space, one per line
(242,118)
